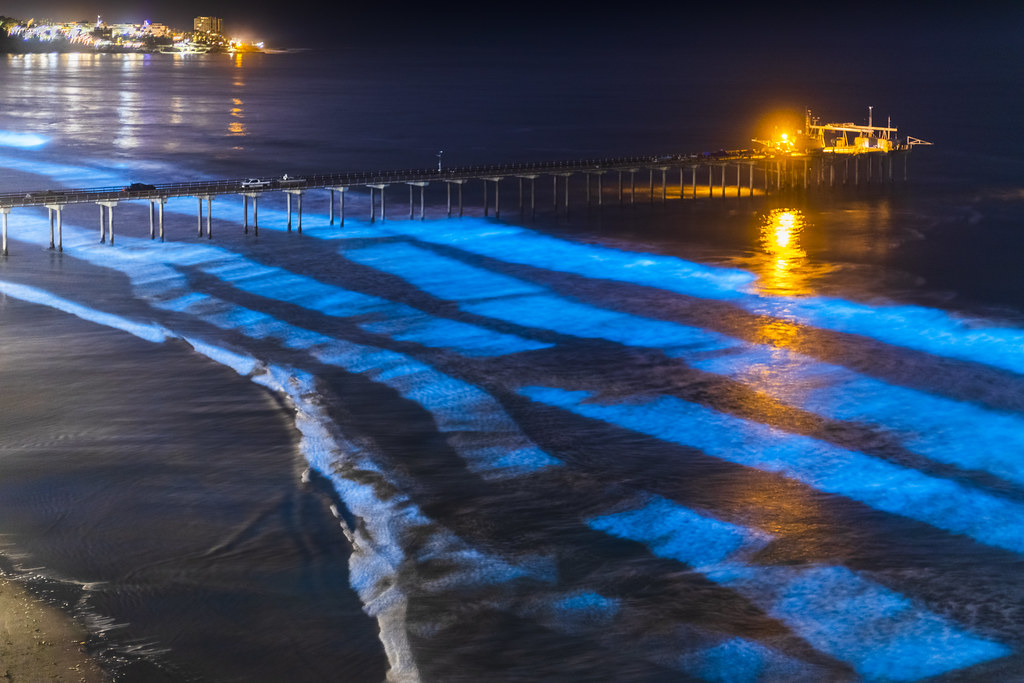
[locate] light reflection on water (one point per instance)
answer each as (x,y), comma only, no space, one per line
(781,232)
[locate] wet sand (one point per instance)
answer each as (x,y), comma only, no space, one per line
(39,642)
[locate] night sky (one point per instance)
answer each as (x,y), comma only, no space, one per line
(943,28)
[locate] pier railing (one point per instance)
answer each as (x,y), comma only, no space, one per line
(775,172)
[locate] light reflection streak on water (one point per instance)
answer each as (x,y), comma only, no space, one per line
(236,128)
(780,238)
(128,115)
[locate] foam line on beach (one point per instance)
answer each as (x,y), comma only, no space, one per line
(882,485)
(881,633)
(147,331)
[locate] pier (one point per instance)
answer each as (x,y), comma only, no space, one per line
(776,167)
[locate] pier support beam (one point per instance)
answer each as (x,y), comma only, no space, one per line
(57,209)
(4,211)
(153,204)
(383,207)
(664,182)
(341,190)
(566,176)
(460,182)
(420,184)
(209,217)
(298,198)
(533,204)
(109,204)
(254,196)
(160,216)
(497,194)
(600,188)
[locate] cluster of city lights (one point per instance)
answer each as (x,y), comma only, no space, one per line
(100,35)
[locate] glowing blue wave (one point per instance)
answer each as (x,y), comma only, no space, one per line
(22,140)
(939,428)
(881,633)
(884,486)
(148,332)
(929,330)
(942,429)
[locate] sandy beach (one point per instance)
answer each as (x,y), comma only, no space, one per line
(39,642)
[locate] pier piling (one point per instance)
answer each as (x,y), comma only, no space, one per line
(4,210)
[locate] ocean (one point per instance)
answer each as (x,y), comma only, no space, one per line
(769,438)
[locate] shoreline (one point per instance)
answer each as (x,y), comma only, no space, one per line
(40,642)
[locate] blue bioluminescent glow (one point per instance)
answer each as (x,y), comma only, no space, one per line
(22,140)
(394,319)
(681,534)
(497,296)
(146,331)
(939,428)
(445,278)
(478,428)
(883,634)
(519,245)
(929,330)
(942,429)
(884,486)
(386,317)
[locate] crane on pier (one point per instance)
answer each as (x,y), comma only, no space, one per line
(841,138)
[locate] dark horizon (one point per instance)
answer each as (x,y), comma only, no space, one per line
(583,26)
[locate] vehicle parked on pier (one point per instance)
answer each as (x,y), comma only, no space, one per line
(255,183)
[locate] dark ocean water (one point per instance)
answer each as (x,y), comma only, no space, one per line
(767,439)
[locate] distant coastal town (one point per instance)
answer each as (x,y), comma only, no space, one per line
(207,35)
